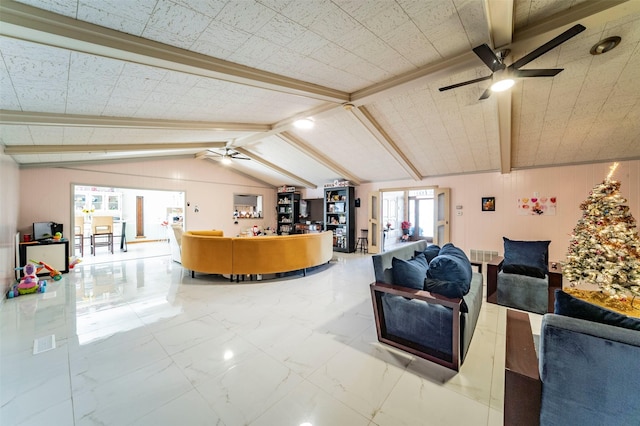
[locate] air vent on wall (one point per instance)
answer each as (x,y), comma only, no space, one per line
(482,255)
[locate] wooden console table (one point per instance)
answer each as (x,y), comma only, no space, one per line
(494,266)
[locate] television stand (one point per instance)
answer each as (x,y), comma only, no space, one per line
(53,253)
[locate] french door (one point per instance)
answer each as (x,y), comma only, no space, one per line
(427,209)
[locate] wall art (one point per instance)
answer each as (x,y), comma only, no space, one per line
(537,206)
(488,204)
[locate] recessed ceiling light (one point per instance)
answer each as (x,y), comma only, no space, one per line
(303,123)
(502,85)
(603,46)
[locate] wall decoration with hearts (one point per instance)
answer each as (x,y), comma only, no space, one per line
(537,206)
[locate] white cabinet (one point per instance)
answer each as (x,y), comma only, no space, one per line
(97,203)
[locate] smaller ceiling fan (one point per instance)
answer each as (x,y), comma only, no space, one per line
(505,73)
(227,156)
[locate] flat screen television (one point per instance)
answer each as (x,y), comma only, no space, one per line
(42,230)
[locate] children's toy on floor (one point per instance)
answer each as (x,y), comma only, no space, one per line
(53,272)
(29,282)
(73,261)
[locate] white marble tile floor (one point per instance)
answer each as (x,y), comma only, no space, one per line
(140,342)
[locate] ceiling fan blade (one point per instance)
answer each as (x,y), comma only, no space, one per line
(571,32)
(453,86)
(490,59)
(486,94)
(537,73)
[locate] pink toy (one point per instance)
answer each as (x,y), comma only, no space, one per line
(29,282)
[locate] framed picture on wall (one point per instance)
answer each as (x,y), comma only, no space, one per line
(488,204)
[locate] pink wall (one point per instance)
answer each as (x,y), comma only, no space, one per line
(46,193)
(484,230)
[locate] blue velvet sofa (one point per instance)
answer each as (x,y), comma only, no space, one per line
(425,323)
(586,372)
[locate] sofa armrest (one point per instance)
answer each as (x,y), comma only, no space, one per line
(493,267)
(378,289)
(522,385)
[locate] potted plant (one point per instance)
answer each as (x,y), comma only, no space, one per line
(406,226)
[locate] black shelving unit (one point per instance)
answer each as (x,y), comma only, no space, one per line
(288,210)
(340,217)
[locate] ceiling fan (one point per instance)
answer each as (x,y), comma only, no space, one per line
(506,74)
(227,156)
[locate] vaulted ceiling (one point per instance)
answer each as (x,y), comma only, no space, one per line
(113,80)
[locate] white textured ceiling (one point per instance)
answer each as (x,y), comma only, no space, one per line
(89,80)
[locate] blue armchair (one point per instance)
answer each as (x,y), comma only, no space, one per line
(522,279)
(587,373)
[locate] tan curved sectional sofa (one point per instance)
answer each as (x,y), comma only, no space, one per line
(210,252)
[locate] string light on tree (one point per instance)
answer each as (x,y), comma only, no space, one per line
(604,248)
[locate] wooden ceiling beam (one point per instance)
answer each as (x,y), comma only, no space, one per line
(69,149)
(78,120)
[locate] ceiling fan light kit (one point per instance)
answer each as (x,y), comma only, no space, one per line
(502,85)
(496,64)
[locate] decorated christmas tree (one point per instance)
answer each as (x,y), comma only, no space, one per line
(604,248)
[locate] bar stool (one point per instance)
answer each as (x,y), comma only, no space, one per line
(363,241)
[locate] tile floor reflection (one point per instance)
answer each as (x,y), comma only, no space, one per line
(140,342)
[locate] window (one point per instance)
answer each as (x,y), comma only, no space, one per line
(421,213)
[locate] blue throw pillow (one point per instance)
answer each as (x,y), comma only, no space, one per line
(534,254)
(447,289)
(452,250)
(410,273)
(570,306)
(452,275)
(430,252)
(529,271)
